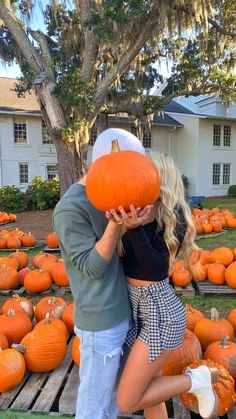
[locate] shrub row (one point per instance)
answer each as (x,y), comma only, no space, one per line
(40,195)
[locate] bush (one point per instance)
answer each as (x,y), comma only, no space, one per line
(232,190)
(42,194)
(11,199)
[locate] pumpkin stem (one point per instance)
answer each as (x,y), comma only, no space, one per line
(52,300)
(16,297)
(214,314)
(19,347)
(224,342)
(115,146)
(188,308)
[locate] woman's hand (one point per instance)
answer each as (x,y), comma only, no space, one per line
(132,219)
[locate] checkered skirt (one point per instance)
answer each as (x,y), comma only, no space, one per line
(158,317)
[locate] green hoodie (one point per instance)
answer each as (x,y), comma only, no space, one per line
(98,286)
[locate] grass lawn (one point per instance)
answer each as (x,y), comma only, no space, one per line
(221,203)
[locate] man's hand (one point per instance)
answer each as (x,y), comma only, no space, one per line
(132,219)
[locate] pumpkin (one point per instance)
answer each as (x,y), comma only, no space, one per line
(230,275)
(21,257)
(193,316)
(205,257)
(37,281)
(15,326)
(52,240)
(68,317)
(12,367)
(223,352)
(199,271)
(222,255)
(234,252)
(216,273)
(207,227)
(9,261)
(8,277)
(181,277)
(27,240)
(122,178)
(50,304)
(3,341)
(13,242)
(3,242)
(189,352)
(47,265)
(44,348)
(213,329)
(232,318)
(224,390)
(54,322)
(19,305)
(59,274)
(22,274)
(41,257)
(75,350)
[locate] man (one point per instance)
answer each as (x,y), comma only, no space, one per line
(101,306)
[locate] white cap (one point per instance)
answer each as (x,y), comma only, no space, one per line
(127,141)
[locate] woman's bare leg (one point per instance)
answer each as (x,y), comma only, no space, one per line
(156,412)
(140,387)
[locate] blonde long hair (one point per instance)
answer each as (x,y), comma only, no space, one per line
(172,195)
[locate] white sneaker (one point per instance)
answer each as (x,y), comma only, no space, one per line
(202,379)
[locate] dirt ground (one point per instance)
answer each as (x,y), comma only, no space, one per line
(37,222)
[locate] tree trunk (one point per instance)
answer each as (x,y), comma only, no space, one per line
(70,167)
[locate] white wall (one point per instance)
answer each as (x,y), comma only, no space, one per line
(34,152)
(209,155)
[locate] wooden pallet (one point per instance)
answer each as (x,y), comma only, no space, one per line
(187,291)
(50,250)
(206,288)
(211,235)
(55,393)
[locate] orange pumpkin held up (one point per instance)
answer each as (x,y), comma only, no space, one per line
(122,178)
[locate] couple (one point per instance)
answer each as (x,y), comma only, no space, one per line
(115,261)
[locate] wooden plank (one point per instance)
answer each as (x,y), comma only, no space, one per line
(49,392)
(206,287)
(60,290)
(211,235)
(187,291)
(67,401)
(180,412)
(7,398)
(51,250)
(29,391)
(10,292)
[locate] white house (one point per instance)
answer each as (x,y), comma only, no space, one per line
(198,132)
(26,150)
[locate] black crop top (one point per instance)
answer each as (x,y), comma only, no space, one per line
(146,255)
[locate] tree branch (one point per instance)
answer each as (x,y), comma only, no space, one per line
(220,29)
(42,41)
(91,44)
(26,48)
(127,57)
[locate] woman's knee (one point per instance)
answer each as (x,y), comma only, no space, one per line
(126,405)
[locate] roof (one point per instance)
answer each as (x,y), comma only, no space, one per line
(164,120)
(11,103)
(175,107)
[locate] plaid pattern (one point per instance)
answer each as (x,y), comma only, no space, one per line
(158,317)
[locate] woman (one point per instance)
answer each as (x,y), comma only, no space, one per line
(154,237)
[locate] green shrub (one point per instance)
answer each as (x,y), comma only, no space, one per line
(232,190)
(42,194)
(11,199)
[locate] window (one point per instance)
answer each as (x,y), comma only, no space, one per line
(52,171)
(45,135)
(227,136)
(93,135)
(20,132)
(24,173)
(147,137)
(221,174)
(221,135)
